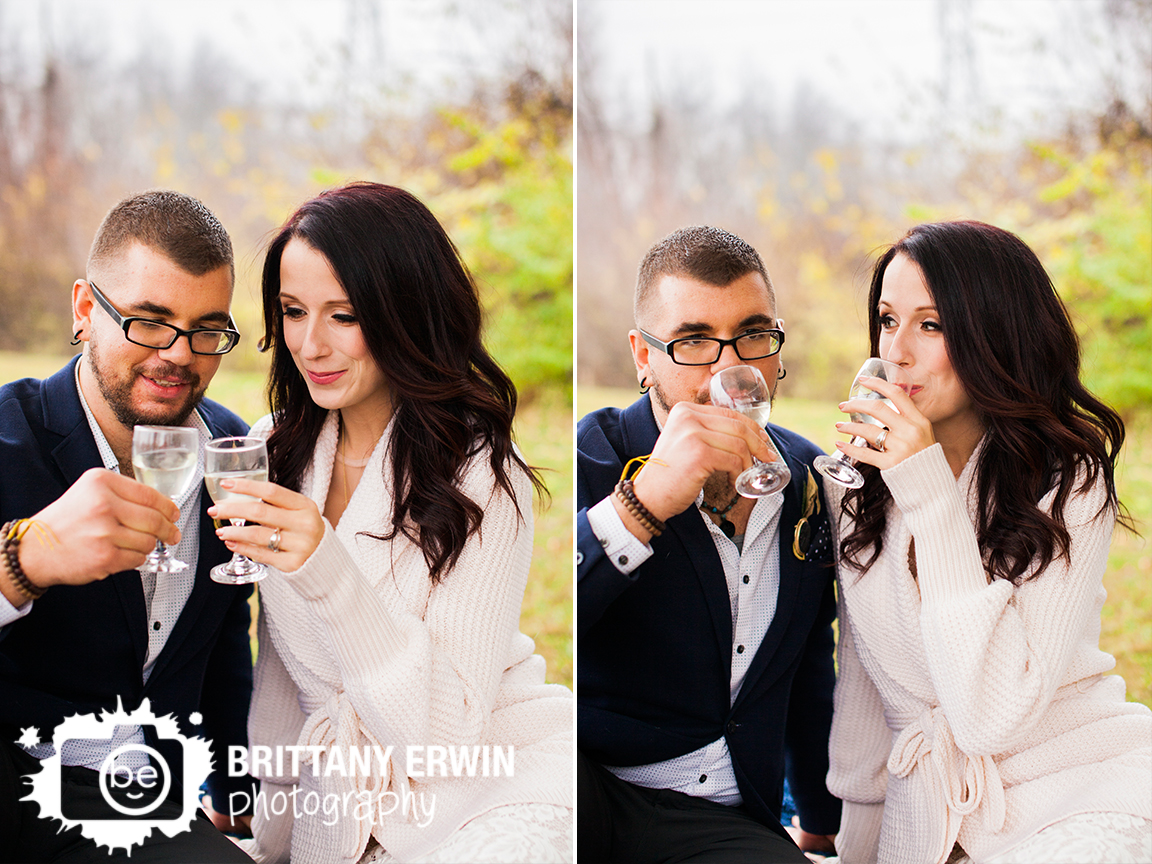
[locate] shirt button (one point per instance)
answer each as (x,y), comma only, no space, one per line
(155,625)
(739,649)
(745,579)
(623,560)
(703,777)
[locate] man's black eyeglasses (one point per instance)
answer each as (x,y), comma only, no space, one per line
(705,350)
(157,334)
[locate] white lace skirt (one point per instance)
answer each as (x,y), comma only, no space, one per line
(512,834)
(1086,838)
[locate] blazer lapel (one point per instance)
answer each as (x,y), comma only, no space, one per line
(791,571)
(74,454)
(640,433)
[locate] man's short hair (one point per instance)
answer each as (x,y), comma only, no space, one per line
(173,224)
(711,255)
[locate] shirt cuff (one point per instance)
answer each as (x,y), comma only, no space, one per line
(622,547)
(10,613)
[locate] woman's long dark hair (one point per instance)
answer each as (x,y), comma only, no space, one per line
(419,313)
(1014,349)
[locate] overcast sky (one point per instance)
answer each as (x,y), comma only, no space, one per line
(294,46)
(883,60)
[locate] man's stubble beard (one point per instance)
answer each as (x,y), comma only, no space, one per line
(118,394)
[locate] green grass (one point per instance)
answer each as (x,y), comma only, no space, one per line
(544,435)
(1126,620)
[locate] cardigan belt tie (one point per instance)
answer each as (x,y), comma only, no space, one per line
(963,781)
(335,725)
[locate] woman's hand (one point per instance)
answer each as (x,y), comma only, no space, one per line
(282,515)
(908,433)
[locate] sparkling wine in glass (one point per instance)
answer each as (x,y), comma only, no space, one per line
(839,468)
(742,389)
(164,457)
(241,458)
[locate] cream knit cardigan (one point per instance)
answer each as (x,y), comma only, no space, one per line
(359,648)
(973,710)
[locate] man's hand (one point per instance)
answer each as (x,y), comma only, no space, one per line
(241,826)
(697,442)
(103,524)
(820,845)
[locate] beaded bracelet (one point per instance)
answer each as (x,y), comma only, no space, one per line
(627,496)
(10,536)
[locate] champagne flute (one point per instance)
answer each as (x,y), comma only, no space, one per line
(742,389)
(839,468)
(238,458)
(164,457)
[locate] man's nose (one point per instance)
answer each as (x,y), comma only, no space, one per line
(728,357)
(180,352)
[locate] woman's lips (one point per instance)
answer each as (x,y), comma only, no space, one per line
(324,377)
(916,388)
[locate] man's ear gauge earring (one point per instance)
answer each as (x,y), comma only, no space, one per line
(76,337)
(782,374)
(644,386)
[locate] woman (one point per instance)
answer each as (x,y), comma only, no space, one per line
(399,524)
(973,713)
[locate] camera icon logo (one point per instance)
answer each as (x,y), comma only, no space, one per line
(135,779)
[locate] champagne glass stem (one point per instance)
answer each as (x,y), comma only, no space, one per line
(238,562)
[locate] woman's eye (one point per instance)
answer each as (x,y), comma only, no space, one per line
(293,312)
(344,318)
(887,321)
(931,325)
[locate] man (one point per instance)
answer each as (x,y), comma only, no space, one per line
(705,648)
(80,628)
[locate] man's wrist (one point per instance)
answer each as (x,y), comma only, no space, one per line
(9,590)
(18,589)
(634,526)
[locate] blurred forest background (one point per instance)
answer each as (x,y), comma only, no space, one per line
(821,132)
(254,107)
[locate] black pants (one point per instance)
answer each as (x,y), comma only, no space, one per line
(25,837)
(617,821)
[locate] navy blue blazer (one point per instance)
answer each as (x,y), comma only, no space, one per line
(655,647)
(83,646)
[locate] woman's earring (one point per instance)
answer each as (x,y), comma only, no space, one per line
(644,386)
(783,373)
(76,337)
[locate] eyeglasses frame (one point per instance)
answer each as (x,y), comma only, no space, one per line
(125,323)
(667,347)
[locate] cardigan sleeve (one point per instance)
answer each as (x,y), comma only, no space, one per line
(997,653)
(433,679)
(858,751)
